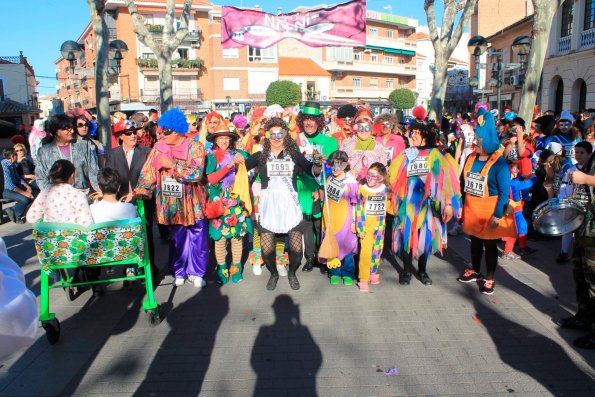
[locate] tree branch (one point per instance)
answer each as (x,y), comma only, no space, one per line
(138,21)
(431,15)
(183,30)
(456,37)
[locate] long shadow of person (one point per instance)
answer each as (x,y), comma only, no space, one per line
(184,356)
(285,357)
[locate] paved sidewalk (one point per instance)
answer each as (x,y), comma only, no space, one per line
(241,340)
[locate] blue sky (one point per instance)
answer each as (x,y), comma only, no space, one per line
(39,27)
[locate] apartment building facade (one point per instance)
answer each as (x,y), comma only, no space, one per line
(18,91)
(205,76)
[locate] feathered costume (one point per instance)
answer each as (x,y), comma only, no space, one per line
(423,181)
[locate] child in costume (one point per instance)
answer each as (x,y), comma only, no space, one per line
(426,195)
(370,221)
(341,192)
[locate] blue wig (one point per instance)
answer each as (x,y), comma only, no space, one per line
(174,120)
(487,131)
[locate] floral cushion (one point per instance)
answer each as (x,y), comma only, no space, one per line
(59,244)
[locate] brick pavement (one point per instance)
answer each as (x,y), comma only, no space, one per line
(241,340)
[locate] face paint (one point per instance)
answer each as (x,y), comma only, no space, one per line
(338,166)
(374,177)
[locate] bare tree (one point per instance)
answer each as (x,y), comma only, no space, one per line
(97,8)
(444,43)
(164,49)
(542,24)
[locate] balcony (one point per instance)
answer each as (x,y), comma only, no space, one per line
(360,92)
(564,45)
(399,44)
(369,67)
(181,94)
(151,63)
(587,39)
(154,28)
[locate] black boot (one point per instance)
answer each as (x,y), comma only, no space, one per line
(294,264)
(272,283)
(309,266)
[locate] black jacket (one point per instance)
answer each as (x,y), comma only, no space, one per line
(117,160)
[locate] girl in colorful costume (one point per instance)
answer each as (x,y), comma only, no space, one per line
(370,221)
(341,192)
(229,186)
(174,169)
(425,196)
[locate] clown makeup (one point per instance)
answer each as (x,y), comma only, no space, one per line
(310,126)
(374,178)
(565,125)
(347,120)
(338,168)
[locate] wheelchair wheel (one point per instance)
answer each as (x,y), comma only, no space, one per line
(154,316)
(52,330)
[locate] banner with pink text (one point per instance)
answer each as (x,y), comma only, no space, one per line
(343,25)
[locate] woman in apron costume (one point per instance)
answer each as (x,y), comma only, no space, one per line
(486,186)
(280,213)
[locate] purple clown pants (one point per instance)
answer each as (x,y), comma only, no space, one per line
(189,249)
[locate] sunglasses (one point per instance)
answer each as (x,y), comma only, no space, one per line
(19,150)
(363,127)
(128,132)
(167,132)
(79,125)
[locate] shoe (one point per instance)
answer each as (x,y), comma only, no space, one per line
(562,258)
(21,221)
(322,269)
(468,276)
(374,278)
(11,215)
(573,323)
(527,251)
(425,279)
(509,256)
(223,274)
(363,286)
(405,278)
(335,280)
(293,281)
(347,280)
(487,287)
(272,283)
(257,270)
(309,266)
(178,282)
(585,342)
(282,270)
(197,281)
(455,230)
(236,273)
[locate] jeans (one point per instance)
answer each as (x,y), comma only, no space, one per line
(22,202)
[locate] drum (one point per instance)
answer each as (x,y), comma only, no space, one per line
(556,217)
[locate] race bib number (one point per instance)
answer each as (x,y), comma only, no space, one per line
(280,168)
(513,155)
(335,190)
(375,206)
(418,167)
(569,151)
(581,194)
(170,187)
(388,151)
(475,184)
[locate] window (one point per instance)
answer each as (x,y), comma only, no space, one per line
(589,22)
(356,82)
(148,19)
(389,34)
(401,61)
(390,83)
(373,32)
(388,60)
(420,66)
(231,84)
(374,82)
(374,58)
(183,53)
(267,55)
(341,54)
(357,56)
(567,13)
(231,53)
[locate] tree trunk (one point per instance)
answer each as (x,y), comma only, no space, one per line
(165,82)
(101,72)
(542,25)
(444,41)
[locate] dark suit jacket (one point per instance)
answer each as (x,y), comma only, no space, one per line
(117,160)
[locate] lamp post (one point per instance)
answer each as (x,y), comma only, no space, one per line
(476,45)
(522,46)
(117,52)
(70,51)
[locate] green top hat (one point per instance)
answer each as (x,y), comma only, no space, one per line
(311,108)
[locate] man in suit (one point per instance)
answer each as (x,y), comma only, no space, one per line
(128,159)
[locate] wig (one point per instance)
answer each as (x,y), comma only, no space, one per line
(174,120)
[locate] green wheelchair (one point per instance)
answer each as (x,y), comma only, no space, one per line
(63,246)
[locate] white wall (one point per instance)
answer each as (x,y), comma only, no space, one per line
(15,83)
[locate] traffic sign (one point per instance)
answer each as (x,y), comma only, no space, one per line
(512,66)
(482,91)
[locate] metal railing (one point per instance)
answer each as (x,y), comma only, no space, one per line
(564,45)
(588,38)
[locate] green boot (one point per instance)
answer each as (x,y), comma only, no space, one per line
(223,273)
(236,272)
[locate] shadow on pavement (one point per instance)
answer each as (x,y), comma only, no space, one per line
(285,357)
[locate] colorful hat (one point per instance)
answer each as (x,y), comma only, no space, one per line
(419,112)
(124,125)
(174,120)
(240,121)
(487,131)
(221,130)
(311,108)
(566,115)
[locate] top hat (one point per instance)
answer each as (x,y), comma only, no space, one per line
(311,108)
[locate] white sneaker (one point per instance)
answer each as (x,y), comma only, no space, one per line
(197,281)
(178,282)
(282,270)
(257,270)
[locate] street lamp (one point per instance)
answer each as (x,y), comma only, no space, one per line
(476,45)
(522,46)
(70,51)
(117,52)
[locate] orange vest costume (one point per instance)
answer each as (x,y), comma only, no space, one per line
(479,206)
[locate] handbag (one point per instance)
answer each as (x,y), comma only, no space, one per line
(214,209)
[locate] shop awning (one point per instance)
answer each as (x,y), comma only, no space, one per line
(390,50)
